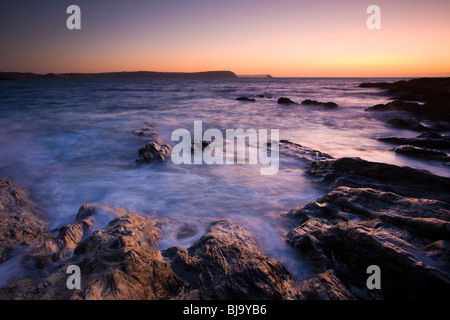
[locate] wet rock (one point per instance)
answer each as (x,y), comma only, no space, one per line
(409,124)
(20,222)
(404,236)
(246,99)
(284,100)
(355,172)
(96,210)
(329,105)
(419,152)
(304,153)
(154,152)
(396,105)
(228,265)
(117,262)
(431,140)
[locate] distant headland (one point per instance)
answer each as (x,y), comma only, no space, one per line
(120,75)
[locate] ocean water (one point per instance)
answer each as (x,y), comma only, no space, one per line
(71,142)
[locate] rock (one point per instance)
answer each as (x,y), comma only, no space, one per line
(431,140)
(283,100)
(404,236)
(325,286)
(397,105)
(226,264)
(304,153)
(435,92)
(245,99)
(154,152)
(20,222)
(409,124)
(96,210)
(355,172)
(117,262)
(329,105)
(419,152)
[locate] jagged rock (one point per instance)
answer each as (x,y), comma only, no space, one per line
(329,105)
(404,236)
(284,100)
(225,263)
(154,152)
(117,262)
(419,152)
(97,210)
(19,220)
(355,172)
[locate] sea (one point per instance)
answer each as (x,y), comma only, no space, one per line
(72,142)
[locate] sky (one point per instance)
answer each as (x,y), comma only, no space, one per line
(279,37)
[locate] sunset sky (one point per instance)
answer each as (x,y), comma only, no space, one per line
(281,38)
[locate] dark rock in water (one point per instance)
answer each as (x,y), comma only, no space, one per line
(355,172)
(154,152)
(422,152)
(401,235)
(329,105)
(245,99)
(435,92)
(409,124)
(397,105)
(19,220)
(283,100)
(422,89)
(431,140)
(226,264)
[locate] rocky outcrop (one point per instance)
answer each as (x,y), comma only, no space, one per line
(225,263)
(328,105)
(20,223)
(435,92)
(154,149)
(356,172)
(350,229)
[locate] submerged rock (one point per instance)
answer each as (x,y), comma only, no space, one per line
(245,99)
(431,140)
(329,105)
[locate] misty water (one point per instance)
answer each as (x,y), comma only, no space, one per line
(71,142)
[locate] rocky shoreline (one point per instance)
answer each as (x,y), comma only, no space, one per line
(397,218)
